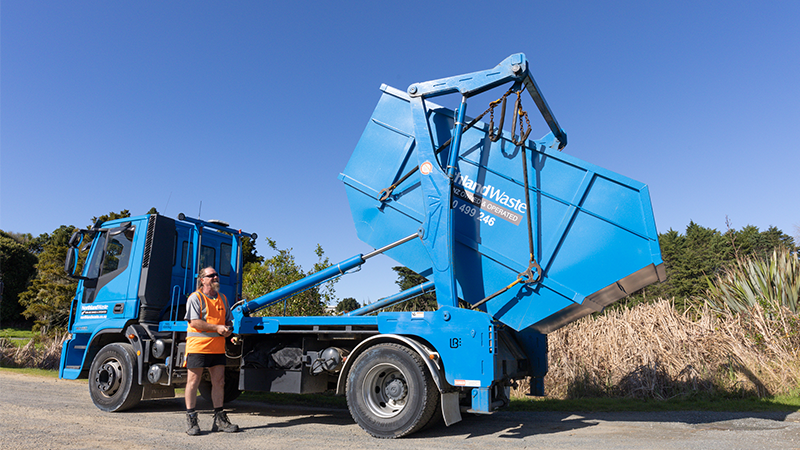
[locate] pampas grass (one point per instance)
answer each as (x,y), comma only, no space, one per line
(43,353)
(653,351)
(742,339)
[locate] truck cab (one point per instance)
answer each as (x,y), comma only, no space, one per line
(136,273)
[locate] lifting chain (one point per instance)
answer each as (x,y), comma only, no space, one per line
(494,137)
(534,272)
(520,113)
(384,194)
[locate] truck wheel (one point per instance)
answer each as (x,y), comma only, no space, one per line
(112,383)
(232,391)
(390,392)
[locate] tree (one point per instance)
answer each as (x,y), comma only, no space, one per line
(690,259)
(406,279)
(47,299)
(279,271)
(49,296)
(249,254)
(17,267)
(346,305)
(326,289)
(110,216)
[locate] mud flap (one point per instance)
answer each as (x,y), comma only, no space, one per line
(451,412)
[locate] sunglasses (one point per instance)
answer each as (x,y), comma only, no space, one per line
(213,275)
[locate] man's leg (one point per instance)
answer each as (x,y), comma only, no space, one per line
(221,422)
(192,382)
(217,385)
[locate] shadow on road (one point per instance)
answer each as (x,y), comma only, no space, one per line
(504,424)
(518,425)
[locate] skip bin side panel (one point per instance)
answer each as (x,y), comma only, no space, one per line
(591,227)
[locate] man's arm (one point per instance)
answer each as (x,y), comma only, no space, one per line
(193,317)
(202,325)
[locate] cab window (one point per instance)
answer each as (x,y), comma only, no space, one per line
(225,259)
(208,257)
(112,251)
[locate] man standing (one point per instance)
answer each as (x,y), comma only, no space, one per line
(209,318)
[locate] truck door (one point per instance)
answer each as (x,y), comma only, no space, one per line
(106,287)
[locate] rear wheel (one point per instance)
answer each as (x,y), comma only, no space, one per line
(112,383)
(390,392)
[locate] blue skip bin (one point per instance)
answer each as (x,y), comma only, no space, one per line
(592,231)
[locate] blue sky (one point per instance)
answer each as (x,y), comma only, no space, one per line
(253,108)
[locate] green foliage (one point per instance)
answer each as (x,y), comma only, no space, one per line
(48,297)
(32,244)
(772,283)
(326,290)
(249,253)
(111,216)
(279,271)
(406,279)
(346,305)
(702,252)
(17,267)
(16,333)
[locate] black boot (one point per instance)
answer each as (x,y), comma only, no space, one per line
(221,423)
(191,422)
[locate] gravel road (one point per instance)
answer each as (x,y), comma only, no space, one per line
(45,413)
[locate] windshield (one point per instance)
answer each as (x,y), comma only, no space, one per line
(110,255)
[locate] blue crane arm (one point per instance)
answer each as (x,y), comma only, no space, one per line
(302,284)
(316,278)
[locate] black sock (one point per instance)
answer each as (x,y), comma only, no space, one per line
(218,410)
(189,410)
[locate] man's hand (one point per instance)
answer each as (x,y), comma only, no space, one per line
(202,325)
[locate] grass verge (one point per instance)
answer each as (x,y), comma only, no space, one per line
(16,333)
(17,337)
(32,372)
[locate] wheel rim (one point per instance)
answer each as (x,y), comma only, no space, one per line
(109,377)
(385,390)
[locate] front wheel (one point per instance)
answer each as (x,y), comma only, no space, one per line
(390,392)
(112,383)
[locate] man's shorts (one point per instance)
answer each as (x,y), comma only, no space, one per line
(200,360)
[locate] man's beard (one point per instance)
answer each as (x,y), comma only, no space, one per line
(215,285)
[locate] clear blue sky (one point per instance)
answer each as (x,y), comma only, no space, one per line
(253,108)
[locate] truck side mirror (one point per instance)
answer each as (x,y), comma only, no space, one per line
(75,239)
(72,256)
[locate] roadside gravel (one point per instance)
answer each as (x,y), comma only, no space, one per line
(45,413)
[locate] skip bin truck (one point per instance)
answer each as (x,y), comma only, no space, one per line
(515,237)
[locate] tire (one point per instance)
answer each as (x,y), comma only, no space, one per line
(112,378)
(231,392)
(436,419)
(390,392)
